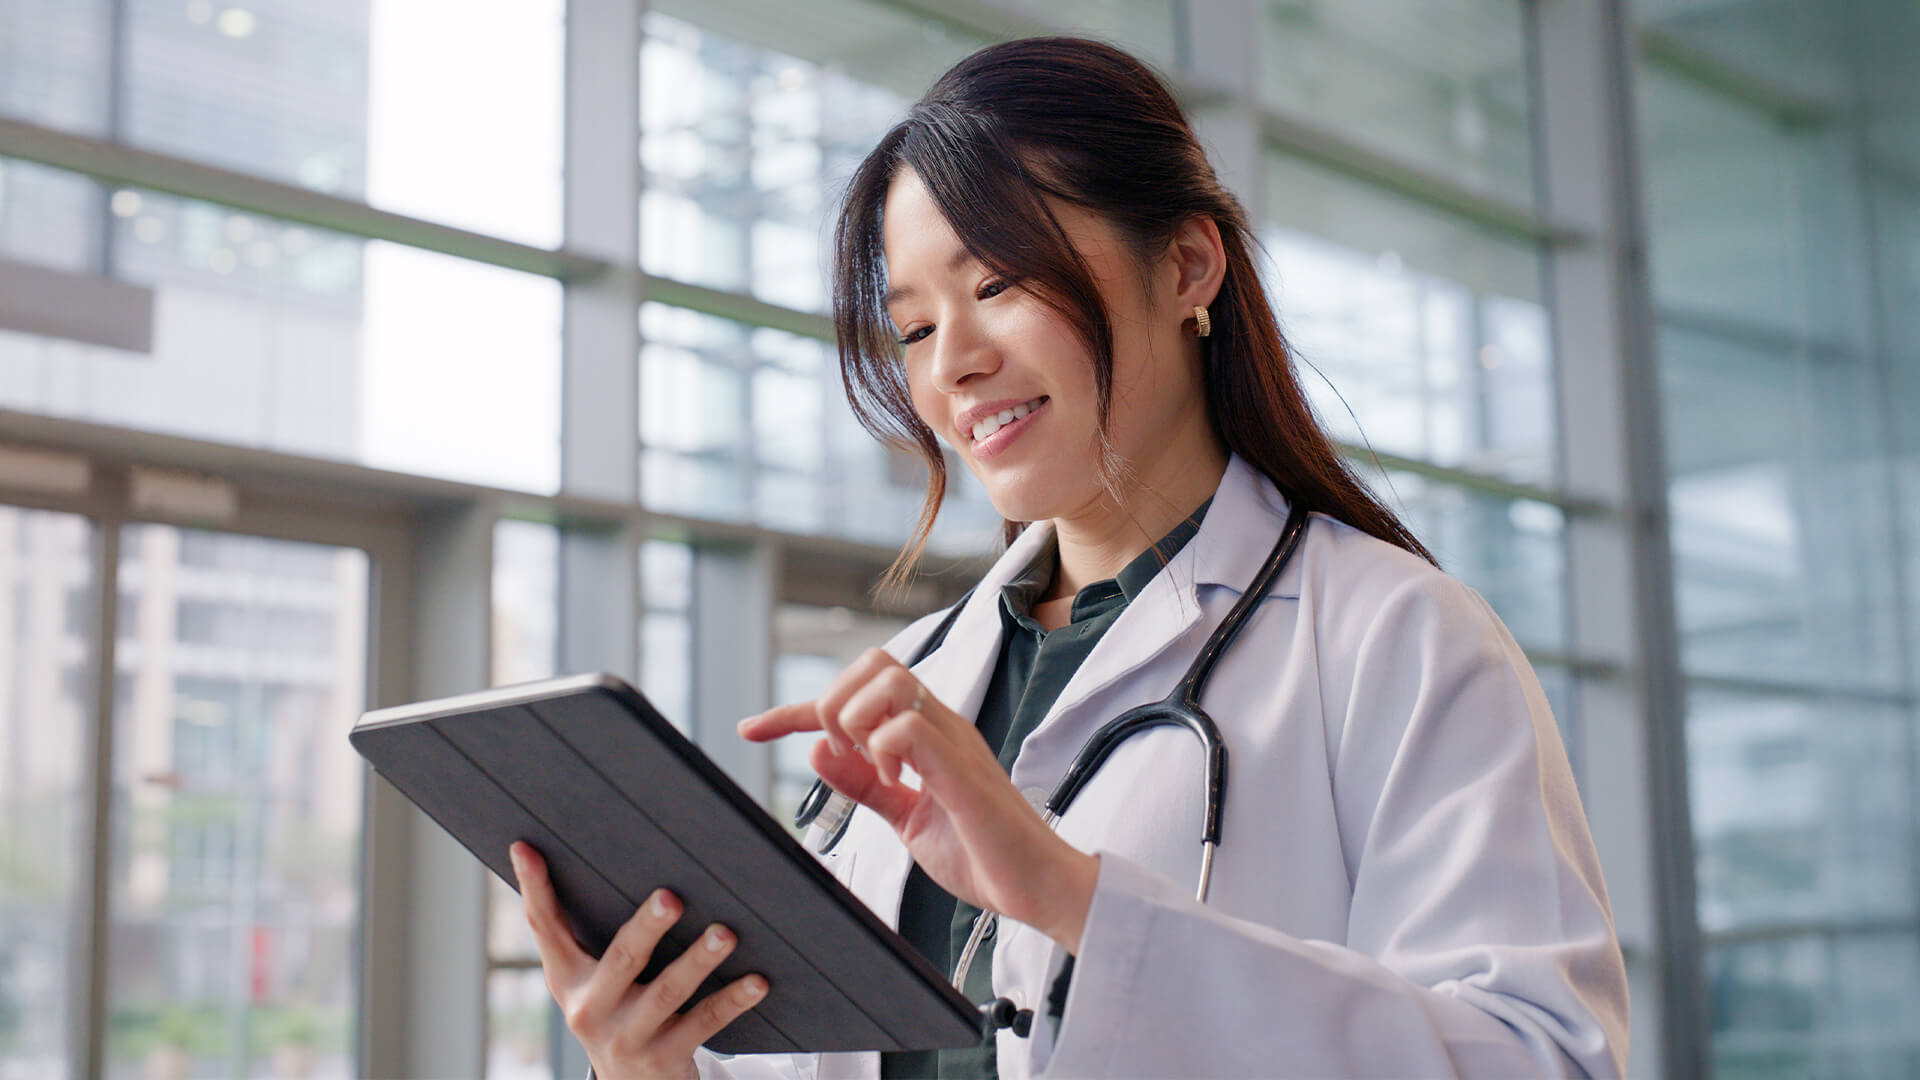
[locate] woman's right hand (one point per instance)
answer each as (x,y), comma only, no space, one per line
(631,1030)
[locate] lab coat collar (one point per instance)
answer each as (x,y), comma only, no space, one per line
(1239,531)
(959,671)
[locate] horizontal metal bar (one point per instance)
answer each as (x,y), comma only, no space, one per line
(1806,691)
(349,490)
(513,963)
(1336,151)
(1754,335)
(738,307)
(1679,57)
(1293,133)
(1777,931)
(1475,481)
(753,311)
(1583,667)
(352,488)
(87,308)
(979,18)
(118,163)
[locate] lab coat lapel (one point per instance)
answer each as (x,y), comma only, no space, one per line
(1239,530)
(957,675)
(959,671)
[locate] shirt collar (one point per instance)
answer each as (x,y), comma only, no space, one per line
(1020,593)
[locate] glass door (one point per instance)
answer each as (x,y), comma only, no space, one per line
(234,877)
(48,619)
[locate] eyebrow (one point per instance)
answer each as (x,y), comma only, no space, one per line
(955,261)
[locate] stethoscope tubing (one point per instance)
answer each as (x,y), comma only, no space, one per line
(1181,707)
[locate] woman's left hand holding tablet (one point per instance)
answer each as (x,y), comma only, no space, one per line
(967,825)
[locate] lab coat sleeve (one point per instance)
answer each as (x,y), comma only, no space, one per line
(754,1066)
(1479,942)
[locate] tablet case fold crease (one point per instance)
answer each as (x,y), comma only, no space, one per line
(620,803)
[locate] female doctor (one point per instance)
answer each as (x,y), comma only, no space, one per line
(1038,268)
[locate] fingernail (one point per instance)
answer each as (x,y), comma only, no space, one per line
(716,939)
(662,903)
(755,986)
(519,860)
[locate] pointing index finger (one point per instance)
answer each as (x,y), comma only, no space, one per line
(781,720)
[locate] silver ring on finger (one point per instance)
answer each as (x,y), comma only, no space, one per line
(919,698)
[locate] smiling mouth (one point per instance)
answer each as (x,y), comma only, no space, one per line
(985,428)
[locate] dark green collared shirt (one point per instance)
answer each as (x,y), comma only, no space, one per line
(1035,665)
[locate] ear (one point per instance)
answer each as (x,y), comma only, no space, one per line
(1194,265)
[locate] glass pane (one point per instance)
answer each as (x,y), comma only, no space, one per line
(752,117)
(53,63)
(275,335)
(324,95)
(1561,686)
(1442,84)
(812,645)
(520,1014)
(50,218)
(48,600)
(1839,1006)
(1802,810)
(666,629)
(743,423)
(1413,332)
(1754,225)
(526,601)
(1148,29)
(235,869)
(1513,551)
(1782,541)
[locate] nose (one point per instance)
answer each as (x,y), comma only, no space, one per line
(962,350)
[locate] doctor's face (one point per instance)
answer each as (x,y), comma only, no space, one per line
(1007,381)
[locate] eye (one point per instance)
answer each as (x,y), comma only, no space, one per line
(993,288)
(916,334)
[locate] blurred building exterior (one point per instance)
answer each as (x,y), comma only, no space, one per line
(394,384)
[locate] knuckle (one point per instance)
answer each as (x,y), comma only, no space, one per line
(905,729)
(580,1020)
(622,954)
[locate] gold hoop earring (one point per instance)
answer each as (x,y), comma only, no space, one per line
(1203,322)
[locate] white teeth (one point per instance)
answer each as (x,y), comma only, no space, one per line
(1004,417)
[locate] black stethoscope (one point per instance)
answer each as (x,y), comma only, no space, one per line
(831,811)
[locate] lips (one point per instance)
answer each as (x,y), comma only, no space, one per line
(993,436)
(986,423)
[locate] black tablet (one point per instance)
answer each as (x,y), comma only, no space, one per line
(620,803)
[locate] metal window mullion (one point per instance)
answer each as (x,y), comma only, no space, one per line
(117,163)
(116,120)
(1880,355)
(1608,393)
(88,989)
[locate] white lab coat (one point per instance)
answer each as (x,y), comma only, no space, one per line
(1405,887)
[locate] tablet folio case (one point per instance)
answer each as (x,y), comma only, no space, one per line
(620,803)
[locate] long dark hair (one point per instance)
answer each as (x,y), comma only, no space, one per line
(1088,124)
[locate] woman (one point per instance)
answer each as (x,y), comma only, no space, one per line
(1038,269)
